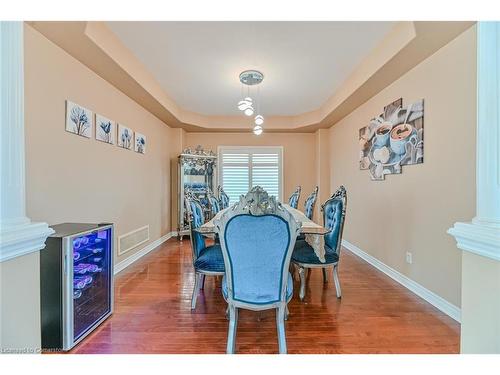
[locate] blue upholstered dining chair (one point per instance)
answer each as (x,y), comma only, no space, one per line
(303,255)
(310,202)
(213,203)
(309,208)
(207,260)
(223,198)
(257,237)
(293,201)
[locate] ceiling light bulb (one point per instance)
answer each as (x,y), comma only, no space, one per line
(249,111)
(244,104)
(259,120)
(257,130)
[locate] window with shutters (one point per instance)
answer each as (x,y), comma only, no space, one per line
(242,167)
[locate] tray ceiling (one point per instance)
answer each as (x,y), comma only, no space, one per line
(198,63)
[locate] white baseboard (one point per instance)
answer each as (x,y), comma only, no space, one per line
(147,249)
(431,297)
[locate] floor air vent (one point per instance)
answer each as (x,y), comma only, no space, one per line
(133,239)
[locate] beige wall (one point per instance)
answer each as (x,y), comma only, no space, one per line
(480,332)
(412,211)
(299,155)
(20,304)
(74,179)
(322,170)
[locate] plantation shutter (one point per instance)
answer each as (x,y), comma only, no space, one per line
(241,168)
(266,172)
(235,174)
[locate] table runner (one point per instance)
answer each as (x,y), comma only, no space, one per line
(314,233)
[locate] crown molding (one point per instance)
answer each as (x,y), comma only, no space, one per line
(97,47)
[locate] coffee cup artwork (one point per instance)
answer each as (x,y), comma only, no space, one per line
(400,135)
(393,139)
(382,133)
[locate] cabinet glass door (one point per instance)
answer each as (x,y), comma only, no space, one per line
(92,272)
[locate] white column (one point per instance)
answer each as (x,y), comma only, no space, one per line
(480,238)
(488,130)
(482,234)
(18,235)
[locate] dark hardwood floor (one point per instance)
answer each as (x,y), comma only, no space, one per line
(375,315)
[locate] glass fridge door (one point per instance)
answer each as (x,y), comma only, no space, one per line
(92,273)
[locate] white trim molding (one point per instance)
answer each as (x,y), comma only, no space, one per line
(21,240)
(477,239)
(440,303)
(118,267)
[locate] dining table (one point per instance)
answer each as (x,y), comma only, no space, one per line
(313,232)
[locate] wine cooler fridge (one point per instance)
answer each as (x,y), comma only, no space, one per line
(76,282)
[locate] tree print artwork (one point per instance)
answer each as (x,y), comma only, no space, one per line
(140,143)
(105,129)
(78,119)
(125,137)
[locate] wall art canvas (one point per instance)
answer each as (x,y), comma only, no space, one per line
(79,119)
(140,143)
(104,129)
(393,139)
(125,137)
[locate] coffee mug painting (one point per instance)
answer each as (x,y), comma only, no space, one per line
(393,139)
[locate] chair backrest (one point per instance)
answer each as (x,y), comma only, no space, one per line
(294,198)
(333,218)
(213,202)
(310,202)
(223,198)
(195,218)
(257,237)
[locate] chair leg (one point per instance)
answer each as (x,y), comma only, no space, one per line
(227,312)
(280,324)
(337,281)
(202,283)
(197,279)
(325,275)
(287,312)
(302,292)
(231,332)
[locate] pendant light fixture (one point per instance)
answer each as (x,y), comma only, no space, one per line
(248,111)
(257,130)
(247,105)
(259,120)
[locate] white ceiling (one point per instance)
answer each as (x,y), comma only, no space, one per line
(198,63)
